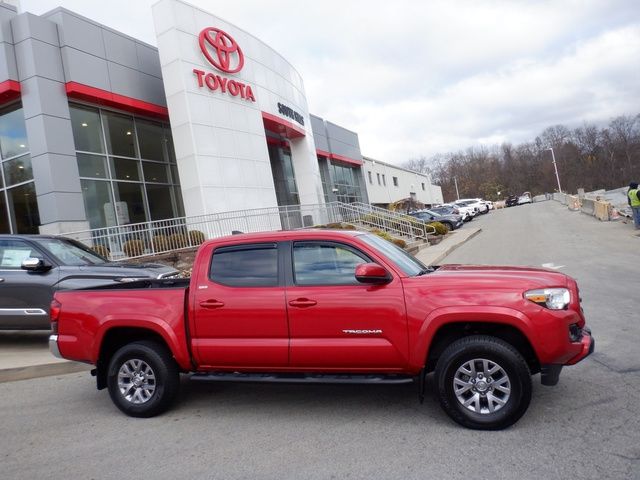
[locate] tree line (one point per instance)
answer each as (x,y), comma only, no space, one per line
(587,157)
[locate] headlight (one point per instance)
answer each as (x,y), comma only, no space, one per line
(552,298)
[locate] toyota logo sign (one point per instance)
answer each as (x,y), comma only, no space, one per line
(221,50)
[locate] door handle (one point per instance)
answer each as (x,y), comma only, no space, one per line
(302,303)
(211,304)
(1,280)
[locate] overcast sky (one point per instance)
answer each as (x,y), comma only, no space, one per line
(418,78)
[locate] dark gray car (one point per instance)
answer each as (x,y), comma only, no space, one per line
(451,221)
(33,267)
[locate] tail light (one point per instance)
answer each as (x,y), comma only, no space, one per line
(54,314)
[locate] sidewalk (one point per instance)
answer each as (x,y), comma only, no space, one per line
(435,253)
(25,354)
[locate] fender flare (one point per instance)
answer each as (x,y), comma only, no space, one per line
(176,345)
(469,314)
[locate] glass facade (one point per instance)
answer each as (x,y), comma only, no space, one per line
(340,182)
(283,174)
(345,181)
(127,167)
(18,203)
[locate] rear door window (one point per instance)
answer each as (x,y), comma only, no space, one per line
(245,266)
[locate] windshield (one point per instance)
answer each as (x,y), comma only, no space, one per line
(434,213)
(70,253)
(405,262)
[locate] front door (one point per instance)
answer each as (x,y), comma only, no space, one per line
(25,296)
(239,314)
(337,322)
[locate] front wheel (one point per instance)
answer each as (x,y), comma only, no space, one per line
(483,383)
(143,379)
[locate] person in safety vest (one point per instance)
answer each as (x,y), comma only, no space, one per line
(634,200)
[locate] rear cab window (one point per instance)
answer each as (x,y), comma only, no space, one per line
(250,265)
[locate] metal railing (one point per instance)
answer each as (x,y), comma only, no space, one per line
(162,236)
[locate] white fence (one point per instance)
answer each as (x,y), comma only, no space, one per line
(150,238)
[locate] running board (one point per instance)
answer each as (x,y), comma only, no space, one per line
(300,378)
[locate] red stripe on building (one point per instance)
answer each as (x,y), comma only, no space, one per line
(281,126)
(9,91)
(339,158)
(110,99)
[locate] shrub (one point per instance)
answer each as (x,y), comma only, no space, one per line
(196,237)
(177,240)
(348,226)
(440,228)
(101,250)
(160,243)
(133,248)
(334,226)
(399,242)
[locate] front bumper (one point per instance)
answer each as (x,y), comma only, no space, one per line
(550,373)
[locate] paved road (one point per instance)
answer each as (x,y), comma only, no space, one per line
(586,427)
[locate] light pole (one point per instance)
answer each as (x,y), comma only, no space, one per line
(553,156)
(455,180)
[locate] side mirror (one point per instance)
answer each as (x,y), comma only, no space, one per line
(372,273)
(34,265)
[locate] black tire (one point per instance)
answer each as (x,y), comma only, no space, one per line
(449,225)
(497,352)
(156,393)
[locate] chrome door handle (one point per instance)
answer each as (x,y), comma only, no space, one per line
(1,280)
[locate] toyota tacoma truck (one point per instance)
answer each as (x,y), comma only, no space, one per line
(321,306)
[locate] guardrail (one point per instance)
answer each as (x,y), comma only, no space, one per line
(162,236)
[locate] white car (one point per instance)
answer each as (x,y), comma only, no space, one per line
(524,198)
(467,212)
(475,203)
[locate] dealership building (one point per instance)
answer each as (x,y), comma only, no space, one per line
(99,129)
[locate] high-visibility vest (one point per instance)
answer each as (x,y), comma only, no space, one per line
(633,196)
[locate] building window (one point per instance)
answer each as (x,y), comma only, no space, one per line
(18,203)
(423,186)
(127,168)
(384,180)
(395,181)
(370,177)
(345,183)
(378,175)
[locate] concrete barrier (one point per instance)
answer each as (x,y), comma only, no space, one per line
(573,202)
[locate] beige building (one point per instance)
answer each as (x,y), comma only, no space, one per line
(388,183)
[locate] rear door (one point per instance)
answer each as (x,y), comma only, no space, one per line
(337,322)
(239,317)
(24,296)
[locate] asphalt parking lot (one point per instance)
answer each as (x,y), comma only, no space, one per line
(586,427)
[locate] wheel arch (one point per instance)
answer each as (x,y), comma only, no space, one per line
(118,336)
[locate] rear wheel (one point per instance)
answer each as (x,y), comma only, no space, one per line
(483,383)
(143,379)
(449,226)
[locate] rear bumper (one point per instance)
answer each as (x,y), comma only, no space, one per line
(53,346)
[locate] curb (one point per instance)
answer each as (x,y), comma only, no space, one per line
(452,247)
(42,370)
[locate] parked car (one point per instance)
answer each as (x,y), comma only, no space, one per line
(478,203)
(451,221)
(524,198)
(511,201)
(312,306)
(468,213)
(448,210)
(474,204)
(33,267)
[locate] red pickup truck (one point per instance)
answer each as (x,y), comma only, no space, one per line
(322,306)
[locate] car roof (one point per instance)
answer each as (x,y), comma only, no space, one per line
(281,235)
(28,236)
